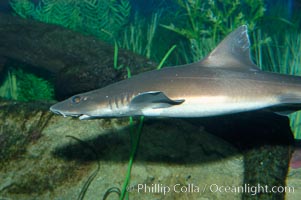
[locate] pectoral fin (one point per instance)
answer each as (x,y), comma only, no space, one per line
(153,99)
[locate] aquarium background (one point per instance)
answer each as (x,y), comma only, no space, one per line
(151,28)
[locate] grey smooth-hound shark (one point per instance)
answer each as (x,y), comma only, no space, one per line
(226,81)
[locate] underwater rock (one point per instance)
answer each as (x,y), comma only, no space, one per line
(266,141)
(194,158)
(79,62)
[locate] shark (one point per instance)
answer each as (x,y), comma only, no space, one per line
(226,81)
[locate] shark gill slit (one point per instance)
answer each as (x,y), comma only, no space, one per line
(122,98)
(116,102)
(125,99)
(110,104)
(128,97)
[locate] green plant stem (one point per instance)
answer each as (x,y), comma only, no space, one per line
(132,155)
(166,56)
(129,72)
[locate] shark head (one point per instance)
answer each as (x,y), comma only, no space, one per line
(91,105)
(84,106)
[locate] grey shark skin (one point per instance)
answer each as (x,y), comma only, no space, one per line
(224,82)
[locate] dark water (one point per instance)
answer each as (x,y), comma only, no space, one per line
(5,7)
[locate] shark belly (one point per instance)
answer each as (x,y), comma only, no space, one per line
(210,106)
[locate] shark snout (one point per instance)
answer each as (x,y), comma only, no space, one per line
(56,111)
(61,109)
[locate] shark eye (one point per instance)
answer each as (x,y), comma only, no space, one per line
(76,99)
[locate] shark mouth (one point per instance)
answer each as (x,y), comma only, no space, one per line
(80,116)
(57,112)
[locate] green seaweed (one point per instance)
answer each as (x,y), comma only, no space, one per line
(25,86)
(9,89)
(139,35)
(210,20)
(32,87)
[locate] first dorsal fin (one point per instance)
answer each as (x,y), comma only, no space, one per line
(233,52)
